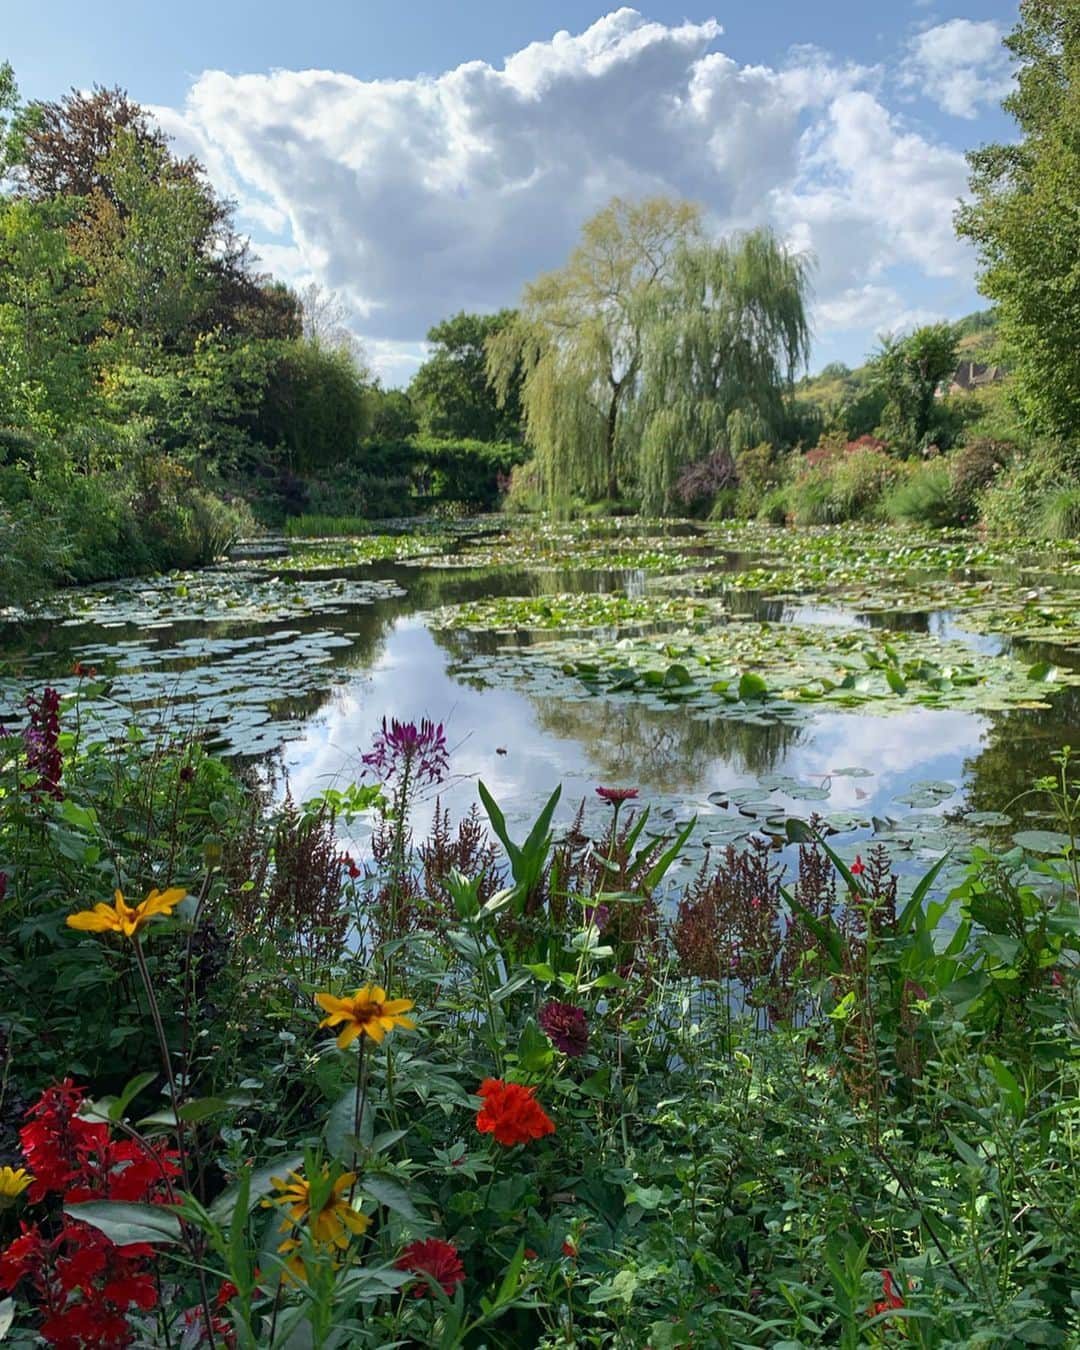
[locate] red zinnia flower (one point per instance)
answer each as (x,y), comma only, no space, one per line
(616,796)
(511,1113)
(436,1258)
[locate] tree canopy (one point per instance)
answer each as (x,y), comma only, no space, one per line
(653,347)
(1023,219)
(907,372)
(451,392)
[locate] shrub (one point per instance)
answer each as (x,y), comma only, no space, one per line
(760,471)
(775,506)
(698,484)
(1014,501)
(924,497)
(861,477)
(812,501)
(1059,517)
(973,468)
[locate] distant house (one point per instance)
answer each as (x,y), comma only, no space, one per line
(971,375)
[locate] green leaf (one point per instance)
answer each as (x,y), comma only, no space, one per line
(534,1048)
(125,1222)
(392,1195)
(340,1121)
(255,1184)
(752,687)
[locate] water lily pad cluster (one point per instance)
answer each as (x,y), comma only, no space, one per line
(574,612)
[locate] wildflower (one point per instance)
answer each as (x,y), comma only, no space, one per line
(410,752)
(13,1181)
(616,796)
(511,1113)
(332,1223)
(596,916)
(41,740)
(858,867)
(82,672)
(369,1012)
(565,1026)
(120,917)
(893,1298)
(436,1258)
(348,862)
(568,1249)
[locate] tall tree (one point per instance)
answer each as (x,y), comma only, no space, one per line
(907,372)
(47,365)
(577,341)
(451,391)
(1024,221)
(719,348)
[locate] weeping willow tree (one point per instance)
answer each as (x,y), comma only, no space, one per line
(651,349)
(720,348)
(578,339)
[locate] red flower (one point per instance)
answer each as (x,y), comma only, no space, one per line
(511,1113)
(893,1298)
(616,796)
(565,1027)
(436,1258)
(568,1249)
(858,867)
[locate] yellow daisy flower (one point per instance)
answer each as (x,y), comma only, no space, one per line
(369,1012)
(120,917)
(331,1225)
(13,1181)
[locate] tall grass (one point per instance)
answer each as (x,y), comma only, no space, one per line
(323,527)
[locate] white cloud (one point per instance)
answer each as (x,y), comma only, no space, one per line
(416,198)
(959,65)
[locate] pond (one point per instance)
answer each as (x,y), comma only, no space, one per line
(901,687)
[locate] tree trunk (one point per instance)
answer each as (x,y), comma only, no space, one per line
(609,447)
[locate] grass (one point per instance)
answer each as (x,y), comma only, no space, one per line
(324,527)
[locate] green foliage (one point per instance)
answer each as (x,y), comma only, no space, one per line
(907,371)
(47,367)
(925,496)
(1015,500)
(450,393)
(1022,222)
(315,410)
(1059,516)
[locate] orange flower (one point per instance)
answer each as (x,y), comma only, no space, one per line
(369,1013)
(511,1113)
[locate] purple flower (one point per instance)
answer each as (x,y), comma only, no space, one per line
(41,743)
(405,750)
(565,1026)
(598,916)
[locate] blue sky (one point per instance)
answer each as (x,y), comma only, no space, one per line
(448,152)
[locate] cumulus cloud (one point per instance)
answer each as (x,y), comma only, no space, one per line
(959,65)
(415,198)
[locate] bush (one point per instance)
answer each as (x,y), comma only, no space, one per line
(1059,517)
(812,501)
(775,506)
(698,484)
(973,468)
(861,477)
(924,497)
(760,471)
(1015,500)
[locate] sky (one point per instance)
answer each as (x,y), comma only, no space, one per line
(425,156)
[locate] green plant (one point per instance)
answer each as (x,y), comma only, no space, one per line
(924,497)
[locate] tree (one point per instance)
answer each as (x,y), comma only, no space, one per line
(47,365)
(719,348)
(316,409)
(576,345)
(908,371)
(451,391)
(1023,219)
(324,319)
(104,152)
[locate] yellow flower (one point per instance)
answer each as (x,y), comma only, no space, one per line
(331,1225)
(368,1012)
(120,917)
(13,1181)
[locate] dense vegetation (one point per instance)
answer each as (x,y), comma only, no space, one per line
(478,1091)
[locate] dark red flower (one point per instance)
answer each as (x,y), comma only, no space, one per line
(41,741)
(349,865)
(565,1026)
(616,796)
(568,1249)
(858,867)
(436,1258)
(511,1113)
